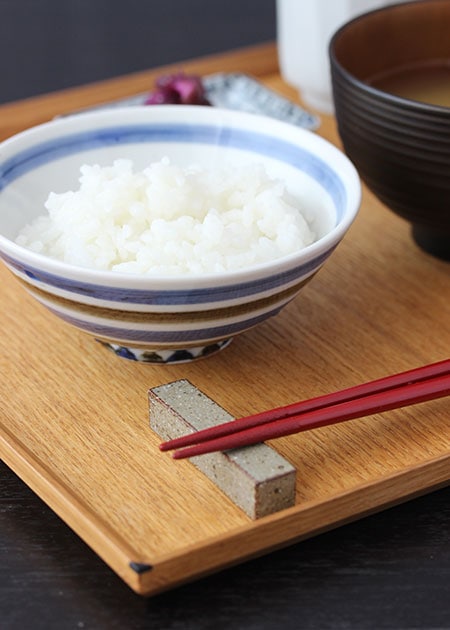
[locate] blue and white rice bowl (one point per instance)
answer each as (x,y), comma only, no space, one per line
(170,318)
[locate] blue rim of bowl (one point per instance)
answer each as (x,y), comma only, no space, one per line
(214,135)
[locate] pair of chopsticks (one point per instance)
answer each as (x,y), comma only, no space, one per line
(392,392)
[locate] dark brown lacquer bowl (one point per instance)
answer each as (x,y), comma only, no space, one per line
(400,146)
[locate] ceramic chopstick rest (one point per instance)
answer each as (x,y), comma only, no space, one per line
(256,478)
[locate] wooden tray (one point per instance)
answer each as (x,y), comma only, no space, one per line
(74,418)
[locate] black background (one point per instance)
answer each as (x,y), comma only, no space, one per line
(47,45)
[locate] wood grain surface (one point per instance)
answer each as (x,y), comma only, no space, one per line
(74,418)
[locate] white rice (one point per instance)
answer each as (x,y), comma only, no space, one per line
(168,220)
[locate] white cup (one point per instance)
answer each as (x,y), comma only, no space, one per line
(304,29)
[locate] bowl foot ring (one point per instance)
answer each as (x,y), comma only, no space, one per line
(166,356)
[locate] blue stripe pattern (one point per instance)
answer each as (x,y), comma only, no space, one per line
(170,336)
(263,144)
(170,298)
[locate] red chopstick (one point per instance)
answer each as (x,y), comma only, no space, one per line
(399,390)
(394,398)
(351,393)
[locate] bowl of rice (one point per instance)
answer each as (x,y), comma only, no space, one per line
(165,231)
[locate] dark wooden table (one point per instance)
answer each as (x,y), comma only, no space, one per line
(388,571)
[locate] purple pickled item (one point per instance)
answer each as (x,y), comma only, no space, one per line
(162,96)
(190,89)
(178,89)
